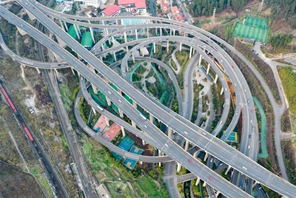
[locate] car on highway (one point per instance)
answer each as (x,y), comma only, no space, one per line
(232,66)
(190,161)
(210,178)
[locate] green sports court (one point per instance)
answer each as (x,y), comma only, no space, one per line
(252,28)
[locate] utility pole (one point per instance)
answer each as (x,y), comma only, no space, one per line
(213,17)
(260,7)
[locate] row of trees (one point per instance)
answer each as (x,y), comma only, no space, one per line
(280,42)
(205,8)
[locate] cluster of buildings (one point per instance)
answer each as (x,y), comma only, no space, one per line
(131,6)
(176,14)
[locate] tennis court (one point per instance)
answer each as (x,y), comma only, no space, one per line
(132,163)
(125,144)
(100,124)
(253,28)
(112,132)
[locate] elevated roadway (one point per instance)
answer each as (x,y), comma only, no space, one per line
(167,146)
(270,180)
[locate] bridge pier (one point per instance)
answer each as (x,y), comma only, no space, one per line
(186,145)
(222,91)
(206,156)
(95,89)
(120,113)
(108,101)
(160,31)
(180,47)
(199,61)
(217,193)
(123,131)
(93,109)
(154,50)
(190,52)
(107,121)
(114,55)
(147,33)
(216,78)
(133,57)
(197,181)
(38,71)
(168,46)
(195,154)
(140,162)
(170,130)
(254,183)
(178,167)
(204,184)
(133,124)
(227,170)
(208,68)
(92,33)
(125,38)
(76,30)
(74,72)
(151,118)
(143,142)
(136,33)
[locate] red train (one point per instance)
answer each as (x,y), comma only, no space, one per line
(28,132)
(12,106)
(8,99)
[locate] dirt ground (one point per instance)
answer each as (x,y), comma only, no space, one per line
(15,183)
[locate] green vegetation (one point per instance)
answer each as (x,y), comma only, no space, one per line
(288,78)
(121,181)
(290,160)
(202,7)
(280,42)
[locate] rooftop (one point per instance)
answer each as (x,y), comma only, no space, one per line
(111,10)
(138,3)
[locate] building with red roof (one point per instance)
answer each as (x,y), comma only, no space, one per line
(112,10)
(135,6)
(165,6)
(176,13)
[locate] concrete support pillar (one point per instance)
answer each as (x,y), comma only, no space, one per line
(199,61)
(197,181)
(180,46)
(102,46)
(154,49)
(206,156)
(160,31)
(170,130)
(62,25)
(73,71)
(65,25)
(186,145)
(222,91)
(136,33)
(254,183)
(120,113)
(125,38)
(168,46)
(93,109)
(133,57)
(134,104)
(190,52)
(216,78)
(106,31)
(123,131)
(217,193)
(108,101)
(143,142)
(159,164)
(208,69)
(38,71)
(107,121)
(227,170)
(204,184)
(174,32)
(56,71)
(147,33)
(151,118)
(133,124)
(195,154)
(92,34)
(121,20)
(114,55)
(94,89)
(178,167)
(76,30)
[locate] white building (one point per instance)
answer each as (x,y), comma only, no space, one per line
(94,3)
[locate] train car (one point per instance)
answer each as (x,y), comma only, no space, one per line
(28,133)
(8,99)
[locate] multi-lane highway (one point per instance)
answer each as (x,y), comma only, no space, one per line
(202,139)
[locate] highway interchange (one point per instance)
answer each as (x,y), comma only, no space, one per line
(194,134)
